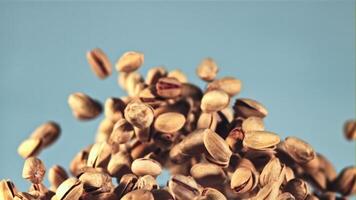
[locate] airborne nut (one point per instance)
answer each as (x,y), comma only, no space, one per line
(114,108)
(146,166)
(179,75)
(230,85)
(169,122)
(99,62)
(56,176)
(83,106)
(168,87)
(299,150)
(139,114)
(48,133)
(207,69)
(253,124)
(183,187)
(122,132)
(218,151)
(247,107)
(33,170)
(30,147)
(71,189)
(260,140)
(129,61)
(154,74)
(214,101)
(350,129)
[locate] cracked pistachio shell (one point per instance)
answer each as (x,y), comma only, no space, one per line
(242,180)
(216,147)
(33,170)
(260,140)
(70,189)
(214,100)
(248,107)
(169,122)
(299,150)
(7,190)
(139,114)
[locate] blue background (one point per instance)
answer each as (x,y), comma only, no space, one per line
(298,58)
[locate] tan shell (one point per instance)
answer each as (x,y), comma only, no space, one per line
(169,122)
(214,100)
(129,61)
(260,140)
(217,148)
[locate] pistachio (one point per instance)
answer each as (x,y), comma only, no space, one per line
(168,87)
(299,150)
(260,140)
(33,170)
(207,69)
(129,61)
(7,190)
(169,122)
(99,62)
(70,189)
(214,100)
(84,107)
(217,149)
(48,133)
(247,107)
(139,114)
(30,147)
(230,85)
(146,166)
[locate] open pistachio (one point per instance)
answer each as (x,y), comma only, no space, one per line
(214,100)
(298,188)
(56,176)
(247,107)
(70,189)
(260,140)
(122,132)
(299,150)
(183,187)
(218,151)
(7,190)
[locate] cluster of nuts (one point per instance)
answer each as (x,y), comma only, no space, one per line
(212,150)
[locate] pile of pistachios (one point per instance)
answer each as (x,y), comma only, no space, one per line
(214,146)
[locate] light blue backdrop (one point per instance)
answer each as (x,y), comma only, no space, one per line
(298,58)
